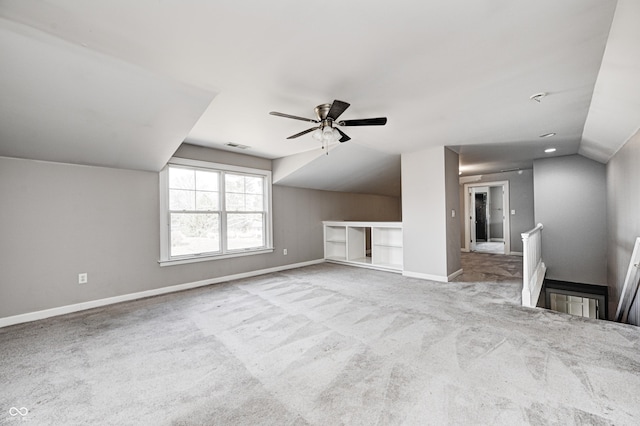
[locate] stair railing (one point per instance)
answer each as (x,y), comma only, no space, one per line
(631,283)
(533,268)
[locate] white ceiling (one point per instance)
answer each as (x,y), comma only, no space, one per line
(614,115)
(62,102)
(348,166)
(122,84)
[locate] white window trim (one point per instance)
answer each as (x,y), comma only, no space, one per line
(165,259)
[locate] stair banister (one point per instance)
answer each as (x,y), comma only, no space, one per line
(631,282)
(533,267)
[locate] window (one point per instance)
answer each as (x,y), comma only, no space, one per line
(211,211)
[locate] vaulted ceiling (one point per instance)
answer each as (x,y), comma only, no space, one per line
(123,84)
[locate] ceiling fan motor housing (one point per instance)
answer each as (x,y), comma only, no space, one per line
(322,111)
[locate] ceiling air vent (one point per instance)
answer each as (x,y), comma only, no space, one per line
(236,145)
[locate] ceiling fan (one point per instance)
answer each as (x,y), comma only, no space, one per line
(327,120)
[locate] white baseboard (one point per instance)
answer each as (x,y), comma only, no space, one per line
(47,313)
(454,275)
(439,278)
(515,253)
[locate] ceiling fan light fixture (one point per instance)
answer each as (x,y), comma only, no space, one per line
(329,134)
(550,150)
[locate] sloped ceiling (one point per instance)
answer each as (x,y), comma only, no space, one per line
(122,83)
(63,102)
(345,167)
(614,115)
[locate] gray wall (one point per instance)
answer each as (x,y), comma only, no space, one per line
(452,202)
(623,215)
(58,220)
(423,217)
(570,201)
(429,193)
(520,200)
(195,152)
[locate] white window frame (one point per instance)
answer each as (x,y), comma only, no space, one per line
(165,232)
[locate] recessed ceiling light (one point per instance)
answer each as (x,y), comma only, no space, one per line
(550,150)
(547,135)
(537,97)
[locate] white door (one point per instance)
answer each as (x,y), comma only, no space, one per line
(574,305)
(470,237)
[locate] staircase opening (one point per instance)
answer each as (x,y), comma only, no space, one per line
(585,300)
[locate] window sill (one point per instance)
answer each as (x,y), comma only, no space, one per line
(214,257)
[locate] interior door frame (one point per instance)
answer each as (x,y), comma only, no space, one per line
(469,213)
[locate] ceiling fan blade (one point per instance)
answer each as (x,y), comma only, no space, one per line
(344,137)
(295,117)
(380,121)
(303,133)
(337,108)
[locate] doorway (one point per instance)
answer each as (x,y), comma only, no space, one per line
(487,226)
(481,223)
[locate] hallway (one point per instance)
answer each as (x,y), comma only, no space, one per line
(495,272)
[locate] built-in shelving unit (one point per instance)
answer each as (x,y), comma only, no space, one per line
(335,243)
(375,245)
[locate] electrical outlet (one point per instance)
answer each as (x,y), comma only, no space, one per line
(82,278)
(284,252)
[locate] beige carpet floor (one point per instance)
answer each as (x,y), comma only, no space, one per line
(325,345)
